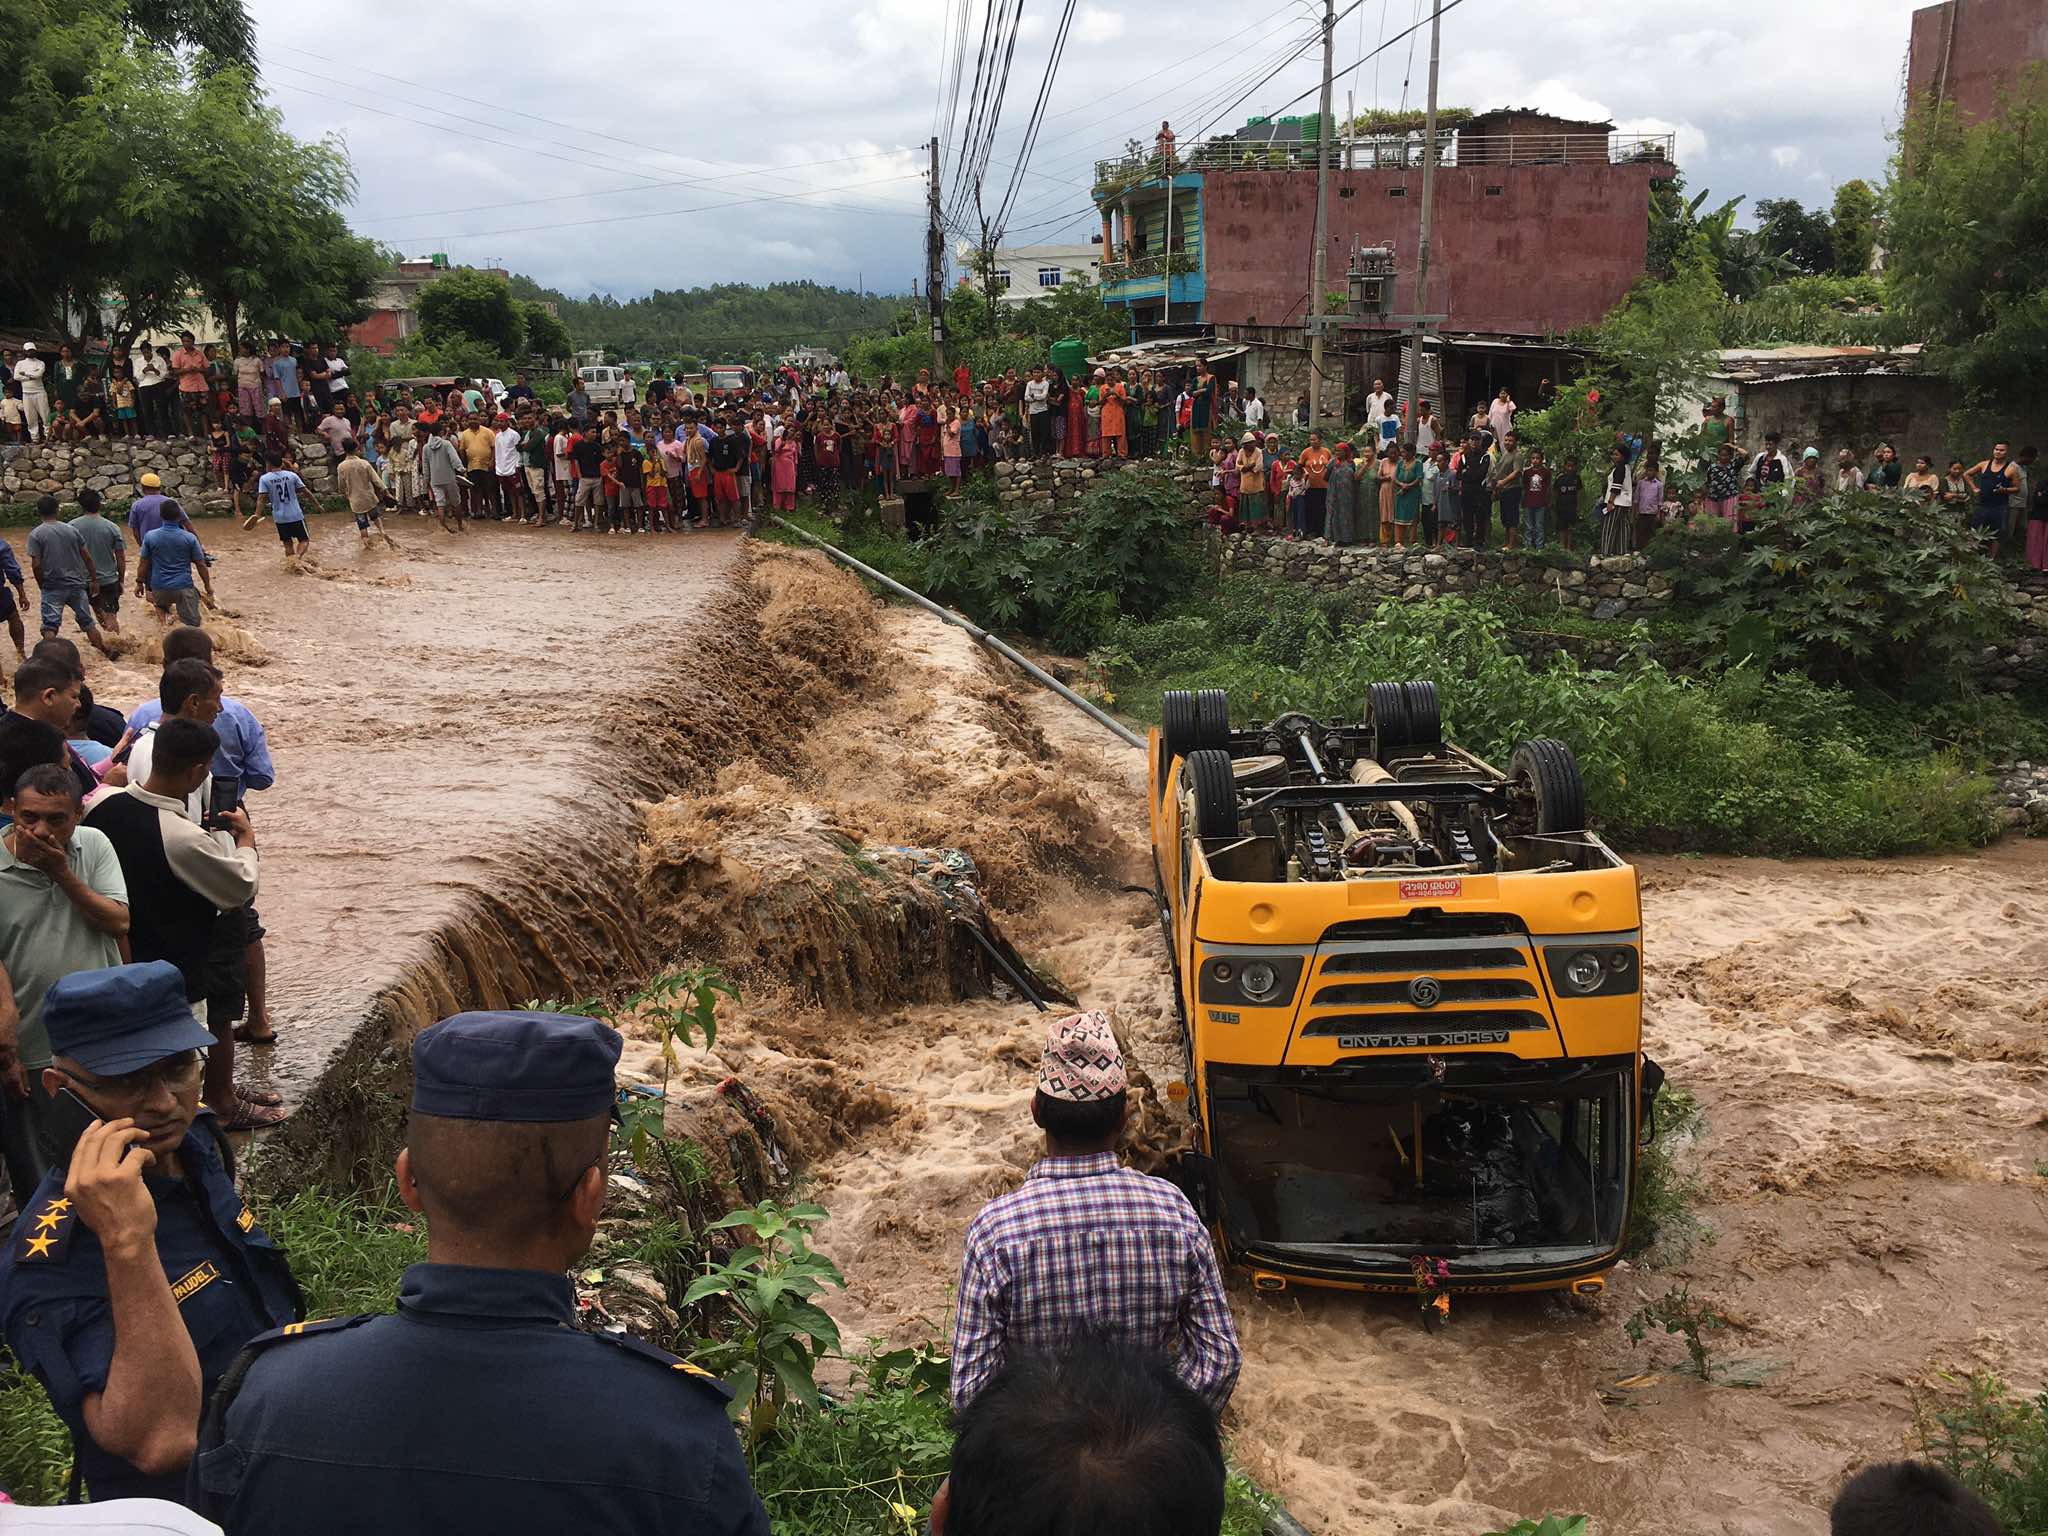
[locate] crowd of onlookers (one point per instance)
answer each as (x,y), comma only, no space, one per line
(140,389)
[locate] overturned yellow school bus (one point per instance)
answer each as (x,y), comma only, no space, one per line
(1410,988)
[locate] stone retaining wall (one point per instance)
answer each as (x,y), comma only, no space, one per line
(114,466)
(1049,486)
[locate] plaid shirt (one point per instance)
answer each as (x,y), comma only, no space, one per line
(1086,1244)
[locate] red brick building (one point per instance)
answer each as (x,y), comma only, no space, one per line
(1968,51)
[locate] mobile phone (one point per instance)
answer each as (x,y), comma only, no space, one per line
(92,1115)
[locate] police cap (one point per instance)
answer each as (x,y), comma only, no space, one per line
(122,1018)
(519,1068)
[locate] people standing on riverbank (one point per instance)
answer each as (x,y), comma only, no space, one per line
(1087,1243)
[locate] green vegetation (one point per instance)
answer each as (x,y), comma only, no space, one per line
(724,323)
(348,1255)
(1549,1525)
(147,174)
(988,338)
(1676,1312)
(1738,759)
(1997,1443)
(1966,265)
(774,1333)
(1663,1217)
(35,1448)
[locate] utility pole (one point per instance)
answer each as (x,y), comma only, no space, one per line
(935,273)
(1317,318)
(1414,390)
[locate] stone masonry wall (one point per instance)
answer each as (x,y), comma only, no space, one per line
(1047,486)
(115,466)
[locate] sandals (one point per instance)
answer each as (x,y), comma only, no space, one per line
(251,1116)
(248,1036)
(262,1096)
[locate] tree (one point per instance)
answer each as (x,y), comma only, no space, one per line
(1802,236)
(143,176)
(1854,230)
(546,336)
(474,306)
(1965,261)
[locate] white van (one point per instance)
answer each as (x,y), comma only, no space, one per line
(607,385)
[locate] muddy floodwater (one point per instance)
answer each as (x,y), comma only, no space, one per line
(535,759)
(436,714)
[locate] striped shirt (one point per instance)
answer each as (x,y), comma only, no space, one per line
(1086,1245)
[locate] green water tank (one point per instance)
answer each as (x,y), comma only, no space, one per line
(1070,356)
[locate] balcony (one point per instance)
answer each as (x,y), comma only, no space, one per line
(1180,264)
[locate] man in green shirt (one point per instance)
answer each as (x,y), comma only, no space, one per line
(534,453)
(63,908)
(109,554)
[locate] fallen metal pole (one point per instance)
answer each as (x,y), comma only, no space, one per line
(1008,653)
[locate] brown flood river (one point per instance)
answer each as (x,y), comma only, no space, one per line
(462,732)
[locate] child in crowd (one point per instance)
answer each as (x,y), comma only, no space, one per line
(654,486)
(13,422)
(121,395)
(1564,499)
(608,476)
(949,440)
(1297,501)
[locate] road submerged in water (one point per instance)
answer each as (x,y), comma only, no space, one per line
(455,731)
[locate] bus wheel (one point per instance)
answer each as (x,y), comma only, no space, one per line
(1209,774)
(1546,780)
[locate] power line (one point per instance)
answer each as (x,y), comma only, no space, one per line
(1052,65)
(1449,5)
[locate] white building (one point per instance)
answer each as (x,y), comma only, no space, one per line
(1025,272)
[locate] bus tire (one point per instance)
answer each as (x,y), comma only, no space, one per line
(1546,768)
(1208,773)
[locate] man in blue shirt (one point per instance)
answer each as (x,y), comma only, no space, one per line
(152,509)
(136,1274)
(282,488)
(171,553)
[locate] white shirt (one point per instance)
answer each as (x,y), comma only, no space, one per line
(337,376)
(1255,413)
(1501,417)
(558,445)
(28,373)
(1425,433)
(149,370)
(1376,406)
(507,444)
(116,1517)
(1035,393)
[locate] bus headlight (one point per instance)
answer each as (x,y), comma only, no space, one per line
(1259,981)
(1584,972)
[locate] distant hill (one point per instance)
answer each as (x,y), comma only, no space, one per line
(728,322)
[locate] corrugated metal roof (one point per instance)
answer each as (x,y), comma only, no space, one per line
(1762,364)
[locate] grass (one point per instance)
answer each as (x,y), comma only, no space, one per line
(1664,1216)
(1734,760)
(1996,1442)
(35,1448)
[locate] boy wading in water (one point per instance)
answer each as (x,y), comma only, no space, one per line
(281,488)
(366,492)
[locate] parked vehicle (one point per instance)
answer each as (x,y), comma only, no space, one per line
(607,385)
(1410,993)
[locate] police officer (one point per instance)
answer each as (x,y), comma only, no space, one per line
(480,1406)
(136,1274)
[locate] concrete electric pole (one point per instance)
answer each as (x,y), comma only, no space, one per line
(1414,390)
(935,274)
(1317,318)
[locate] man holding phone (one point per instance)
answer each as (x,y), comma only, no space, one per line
(136,1274)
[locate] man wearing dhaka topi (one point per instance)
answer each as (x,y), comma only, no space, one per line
(1087,1246)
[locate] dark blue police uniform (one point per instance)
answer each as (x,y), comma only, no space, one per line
(479,1406)
(228,1277)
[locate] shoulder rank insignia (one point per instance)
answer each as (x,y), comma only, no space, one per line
(43,1235)
(309,1327)
(675,1363)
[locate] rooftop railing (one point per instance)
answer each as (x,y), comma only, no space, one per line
(1389,152)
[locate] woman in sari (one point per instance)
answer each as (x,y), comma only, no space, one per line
(1251,484)
(1116,441)
(1617,505)
(1407,494)
(1343,491)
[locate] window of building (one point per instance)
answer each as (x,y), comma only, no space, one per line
(1003,282)
(1050,277)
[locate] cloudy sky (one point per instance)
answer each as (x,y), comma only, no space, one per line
(640,145)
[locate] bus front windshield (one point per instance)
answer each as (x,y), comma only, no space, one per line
(1503,1172)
